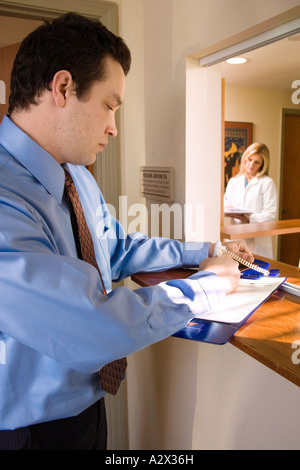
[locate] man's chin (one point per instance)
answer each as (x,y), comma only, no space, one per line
(90,161)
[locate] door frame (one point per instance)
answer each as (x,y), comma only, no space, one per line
(41,9)
(285,112)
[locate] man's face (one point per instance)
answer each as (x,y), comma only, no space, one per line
(89,122)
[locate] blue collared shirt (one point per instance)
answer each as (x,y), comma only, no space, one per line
(57,328)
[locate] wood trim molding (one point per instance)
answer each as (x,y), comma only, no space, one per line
(41,9)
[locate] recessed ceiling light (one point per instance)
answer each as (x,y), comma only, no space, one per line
(236,60)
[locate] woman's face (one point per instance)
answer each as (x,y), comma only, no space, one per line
(253,165)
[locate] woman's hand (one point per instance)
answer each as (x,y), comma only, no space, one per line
(242,217)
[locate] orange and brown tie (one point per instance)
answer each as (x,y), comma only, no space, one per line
(112,374)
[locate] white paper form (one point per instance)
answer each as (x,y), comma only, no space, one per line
(245,300)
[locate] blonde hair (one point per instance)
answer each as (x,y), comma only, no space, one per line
(256,149)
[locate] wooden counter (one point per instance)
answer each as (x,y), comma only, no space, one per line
(270,333)
(280,227)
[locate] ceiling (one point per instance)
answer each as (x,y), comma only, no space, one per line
(274,66)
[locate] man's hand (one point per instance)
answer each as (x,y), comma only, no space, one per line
(224,267)
(240,248)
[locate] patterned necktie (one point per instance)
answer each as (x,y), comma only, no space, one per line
(112,374)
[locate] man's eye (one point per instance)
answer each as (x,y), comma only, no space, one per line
(109,107)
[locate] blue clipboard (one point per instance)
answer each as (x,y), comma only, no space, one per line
(216,332)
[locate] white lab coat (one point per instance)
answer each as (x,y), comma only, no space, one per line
(260,197)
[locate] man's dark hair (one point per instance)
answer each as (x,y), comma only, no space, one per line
(70,42)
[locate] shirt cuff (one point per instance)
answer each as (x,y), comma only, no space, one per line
(201,292)
(194,253)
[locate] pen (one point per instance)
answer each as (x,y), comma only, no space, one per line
(222,250)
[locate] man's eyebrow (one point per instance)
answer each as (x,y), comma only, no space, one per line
(117,98)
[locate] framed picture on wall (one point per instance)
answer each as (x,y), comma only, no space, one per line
(238,136)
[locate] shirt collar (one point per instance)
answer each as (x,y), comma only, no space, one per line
(33,157)
(253,180)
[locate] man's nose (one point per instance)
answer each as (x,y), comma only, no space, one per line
(112,128)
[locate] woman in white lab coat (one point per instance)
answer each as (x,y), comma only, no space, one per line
(254,191)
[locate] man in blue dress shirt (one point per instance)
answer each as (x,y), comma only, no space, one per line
(57,327)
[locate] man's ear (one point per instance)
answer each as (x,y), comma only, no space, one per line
(62,87)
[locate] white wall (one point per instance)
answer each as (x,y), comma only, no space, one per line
(185,395)
(133,129)
(203,147)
